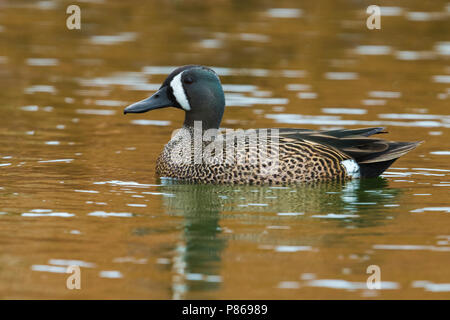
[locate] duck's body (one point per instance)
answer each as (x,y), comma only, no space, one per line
(262,156)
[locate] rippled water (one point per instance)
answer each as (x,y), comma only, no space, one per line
(78,185)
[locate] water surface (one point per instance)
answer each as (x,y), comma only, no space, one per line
(78,184)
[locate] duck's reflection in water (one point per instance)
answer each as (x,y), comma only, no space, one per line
(197,261)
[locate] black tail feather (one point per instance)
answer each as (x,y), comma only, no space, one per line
(375,164)
(373,170)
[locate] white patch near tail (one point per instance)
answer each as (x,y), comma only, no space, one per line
(178,92)
(352,168)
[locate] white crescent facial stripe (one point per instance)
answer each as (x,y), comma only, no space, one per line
(351,167)
(178,92)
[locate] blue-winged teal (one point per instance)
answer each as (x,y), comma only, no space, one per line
(302,155)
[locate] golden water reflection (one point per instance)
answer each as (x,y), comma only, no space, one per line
(78,183)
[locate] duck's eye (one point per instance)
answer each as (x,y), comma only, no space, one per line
(188,80)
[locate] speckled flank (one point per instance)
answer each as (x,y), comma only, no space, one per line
(298,161)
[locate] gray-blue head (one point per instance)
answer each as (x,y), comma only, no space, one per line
(192,88)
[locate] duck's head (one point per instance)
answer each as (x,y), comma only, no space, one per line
(194,89)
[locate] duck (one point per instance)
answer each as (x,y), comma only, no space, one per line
(202,152)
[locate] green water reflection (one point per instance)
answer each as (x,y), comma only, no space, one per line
(354,204)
